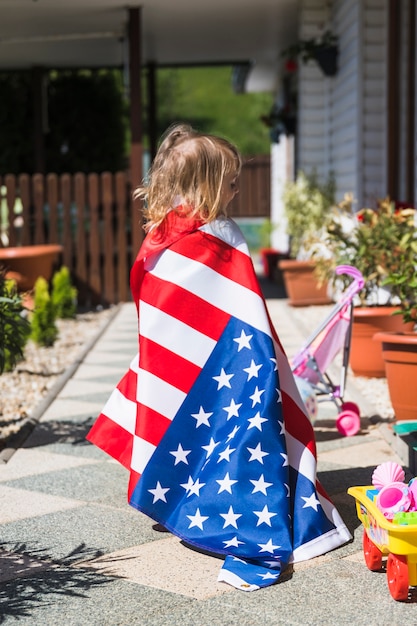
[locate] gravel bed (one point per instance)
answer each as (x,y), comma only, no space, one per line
(23,389)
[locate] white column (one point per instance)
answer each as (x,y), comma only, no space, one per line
(282,170)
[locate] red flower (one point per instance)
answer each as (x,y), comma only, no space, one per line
(291,66)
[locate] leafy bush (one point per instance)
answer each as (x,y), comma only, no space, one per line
(306,205)
(64,295)
(44,329)
(14,326)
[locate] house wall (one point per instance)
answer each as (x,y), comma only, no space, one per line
(342,119)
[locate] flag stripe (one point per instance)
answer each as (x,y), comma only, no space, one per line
(218,290)
(141,454)
(114,439)
(174,335)
(167,365)
(159,395)
(236,260)
(122,410)
(151,425)
(184,306)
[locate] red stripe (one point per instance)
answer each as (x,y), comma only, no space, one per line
(133,481)
(219,256)
(167,365)
(297,424)
(184,306)
(113,439)
(150,425)
(128,385)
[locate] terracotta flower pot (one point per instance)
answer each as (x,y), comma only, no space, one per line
(301,284)
(400,356)
(26,263)
(365,354)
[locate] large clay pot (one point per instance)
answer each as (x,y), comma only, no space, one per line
(366,354)
(26,263)
(400,356)
(301,283)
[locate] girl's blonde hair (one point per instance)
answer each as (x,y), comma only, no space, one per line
(189,168)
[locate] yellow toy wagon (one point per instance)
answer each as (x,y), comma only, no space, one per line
(381,537)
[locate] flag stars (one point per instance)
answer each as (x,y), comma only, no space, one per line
(252,370)
(243,341)
(232,434)
(257,454)
(311,502)
(232,410)
(223,379)
(274,361)
(269,575)
(225,455)
(257,421)
(256,396)
(209,448)
(226,483)
(285,457)
(230,518)
(264,516)
(202,417)
(268,547)
(197,520)
(260,485)
(192,487)
(279,394)
(159,493)
(180,455)
(233,543)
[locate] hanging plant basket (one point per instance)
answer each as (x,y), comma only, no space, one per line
(326,58)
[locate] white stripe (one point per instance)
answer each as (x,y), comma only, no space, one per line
(174,335)
(214,288)
(142,451)
(121,410)
(158,395)
(300,457)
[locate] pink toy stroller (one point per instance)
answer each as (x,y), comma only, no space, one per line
(320,349)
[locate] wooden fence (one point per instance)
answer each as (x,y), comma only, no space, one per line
(93,217)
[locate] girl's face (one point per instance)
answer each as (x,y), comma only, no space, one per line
(229,189)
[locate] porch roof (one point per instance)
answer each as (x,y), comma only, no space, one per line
(92,33)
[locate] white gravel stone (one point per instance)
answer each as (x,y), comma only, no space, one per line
(22,390)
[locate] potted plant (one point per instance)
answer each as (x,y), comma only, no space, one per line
(324,50)
(371,240)
(306,204)
(399,349)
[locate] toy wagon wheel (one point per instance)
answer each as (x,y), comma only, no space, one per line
(372,554)
(348,423)
(397,575)
(351,406)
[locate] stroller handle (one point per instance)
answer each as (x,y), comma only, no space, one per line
(358,280)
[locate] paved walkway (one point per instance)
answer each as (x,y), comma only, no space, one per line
(74,552)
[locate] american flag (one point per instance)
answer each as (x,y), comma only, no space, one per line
(208,419)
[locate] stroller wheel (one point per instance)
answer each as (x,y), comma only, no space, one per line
(351,406)
(348,423)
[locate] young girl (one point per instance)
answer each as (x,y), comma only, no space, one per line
(208,419)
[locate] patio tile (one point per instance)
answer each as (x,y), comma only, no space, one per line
(30,462)
(17,504)
(167,565)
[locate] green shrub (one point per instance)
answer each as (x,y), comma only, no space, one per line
(64,295)
(44,330)
(14,326)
